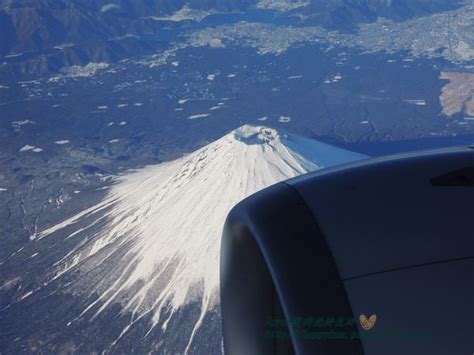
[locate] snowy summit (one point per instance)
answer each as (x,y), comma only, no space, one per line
(157,235)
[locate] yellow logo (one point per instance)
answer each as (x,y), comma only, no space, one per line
(367,324)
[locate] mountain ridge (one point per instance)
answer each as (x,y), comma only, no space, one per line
(108,31)
(152,245)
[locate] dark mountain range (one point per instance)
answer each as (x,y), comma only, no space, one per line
(35,24)
(345,14)
(58,33)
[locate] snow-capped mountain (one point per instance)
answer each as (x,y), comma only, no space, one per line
(152,246)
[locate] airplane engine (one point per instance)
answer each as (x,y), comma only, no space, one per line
(374,257)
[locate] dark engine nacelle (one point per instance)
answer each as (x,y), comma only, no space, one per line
(374,257)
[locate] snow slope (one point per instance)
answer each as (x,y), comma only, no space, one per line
(156,237)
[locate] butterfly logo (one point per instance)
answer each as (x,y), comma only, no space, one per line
(367,324)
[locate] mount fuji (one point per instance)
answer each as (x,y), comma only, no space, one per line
(144,261)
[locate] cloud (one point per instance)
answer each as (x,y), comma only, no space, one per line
(109,7)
